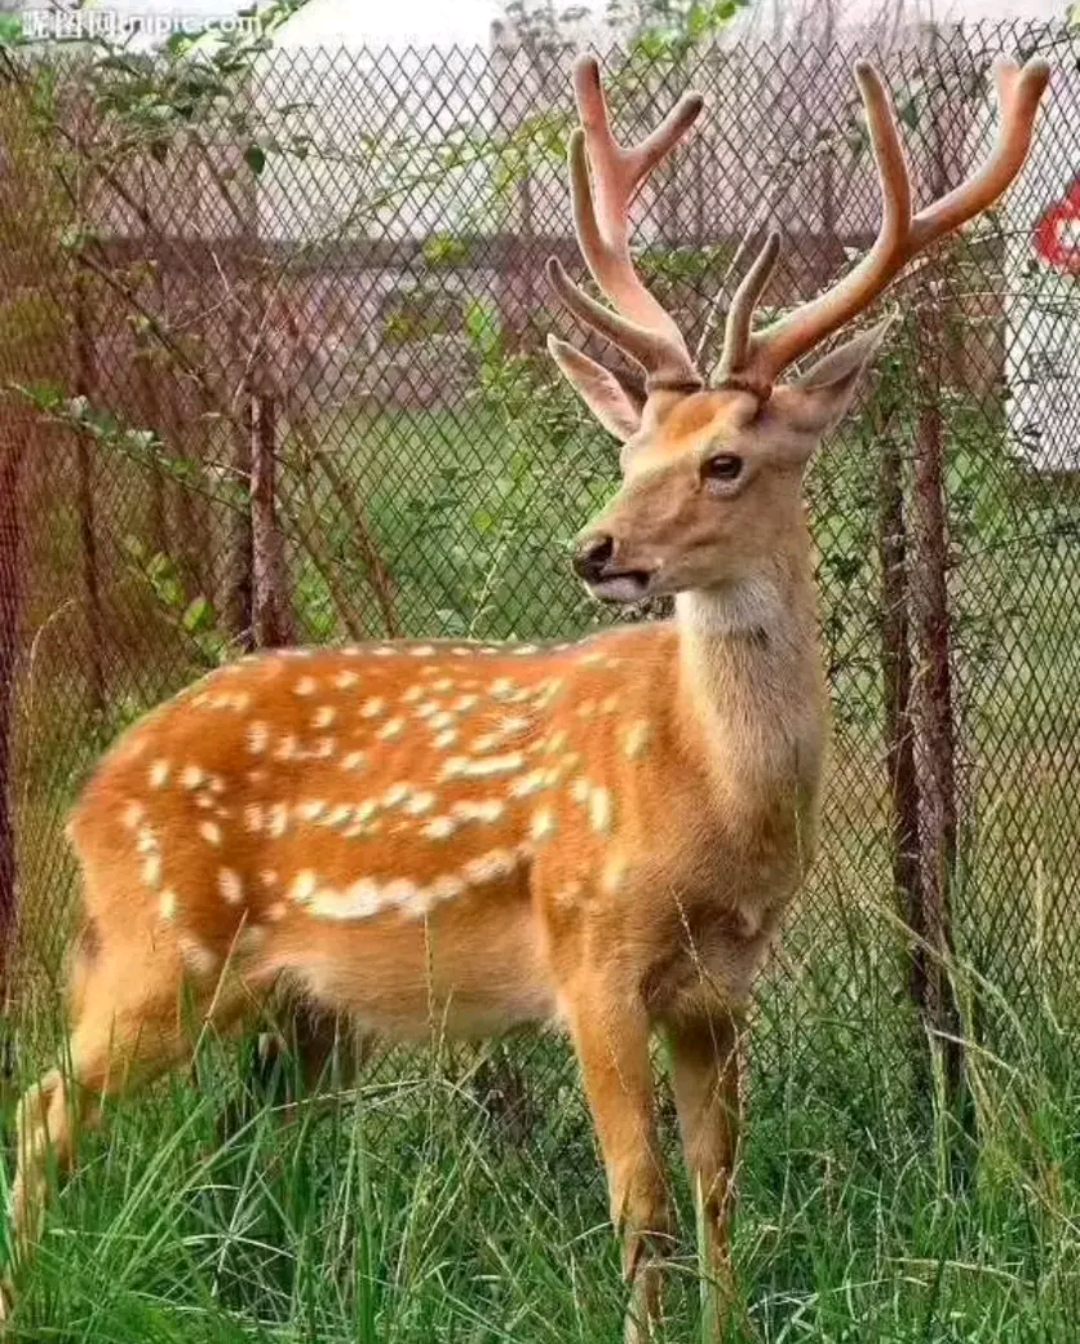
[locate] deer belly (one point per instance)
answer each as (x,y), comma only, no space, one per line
(469,969)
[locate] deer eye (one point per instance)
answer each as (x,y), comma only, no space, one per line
(722,467)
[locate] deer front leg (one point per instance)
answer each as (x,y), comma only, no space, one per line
(705,1078)
(611,1036)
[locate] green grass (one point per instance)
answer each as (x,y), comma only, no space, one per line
(410,1212)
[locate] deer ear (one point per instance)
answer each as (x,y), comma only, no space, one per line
(613,399)
(816,402)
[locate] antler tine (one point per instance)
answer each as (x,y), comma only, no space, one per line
(640,326)
(741,313)
(665,365)
(1018,93)
(901,236)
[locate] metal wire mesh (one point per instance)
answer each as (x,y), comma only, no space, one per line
(273,369)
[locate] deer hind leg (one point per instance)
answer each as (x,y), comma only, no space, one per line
(611,1037)
(705,1078)
(303,1060)
(128,1027)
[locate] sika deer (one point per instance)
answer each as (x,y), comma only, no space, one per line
(467,837)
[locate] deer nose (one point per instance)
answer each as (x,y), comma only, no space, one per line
(592,555)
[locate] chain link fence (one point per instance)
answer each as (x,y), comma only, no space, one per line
(271,348)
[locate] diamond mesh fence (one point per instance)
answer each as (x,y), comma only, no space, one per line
(273,367)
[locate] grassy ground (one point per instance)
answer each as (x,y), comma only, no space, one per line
(411,1212)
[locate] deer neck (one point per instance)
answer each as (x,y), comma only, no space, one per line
(751,688)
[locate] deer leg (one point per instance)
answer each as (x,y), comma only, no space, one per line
(125,1033)
(705,1077)
(611,1037)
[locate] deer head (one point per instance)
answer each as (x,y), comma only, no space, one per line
(712,468)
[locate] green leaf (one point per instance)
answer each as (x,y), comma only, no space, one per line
(199,615)
(482,520)
(255,158)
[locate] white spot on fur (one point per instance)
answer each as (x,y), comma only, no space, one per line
(488,867)
(391,729)
(636,739)
(304,886)
(306,686)
(210,832)
(543,824)
(151,870)
(324,716)
(533,782)
(277,912)
(167,905)
(488,809)
(464,767)
(464,703)
(344,681)
(523,650)
(502,688)
(579,790)
(191,777)
(439,828)
(133,814)
(312,810)
(359,901)
(400,891)
(442,720)
(258,735)
(411,696)
(159,774)
(396,793)
(146,841)
(446,739)
(354,760)
(422,651)
(268,877)
(339,815)
(287,748)
(230,886)
(419,803)
(279,820)
(372,708)
(600,810)
(613,874)
(446,887)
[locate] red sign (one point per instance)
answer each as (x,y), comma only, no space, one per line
(1057,234)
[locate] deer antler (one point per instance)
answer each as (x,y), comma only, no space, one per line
(639,325)
(755,359)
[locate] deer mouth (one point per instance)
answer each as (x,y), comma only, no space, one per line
(625,585)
